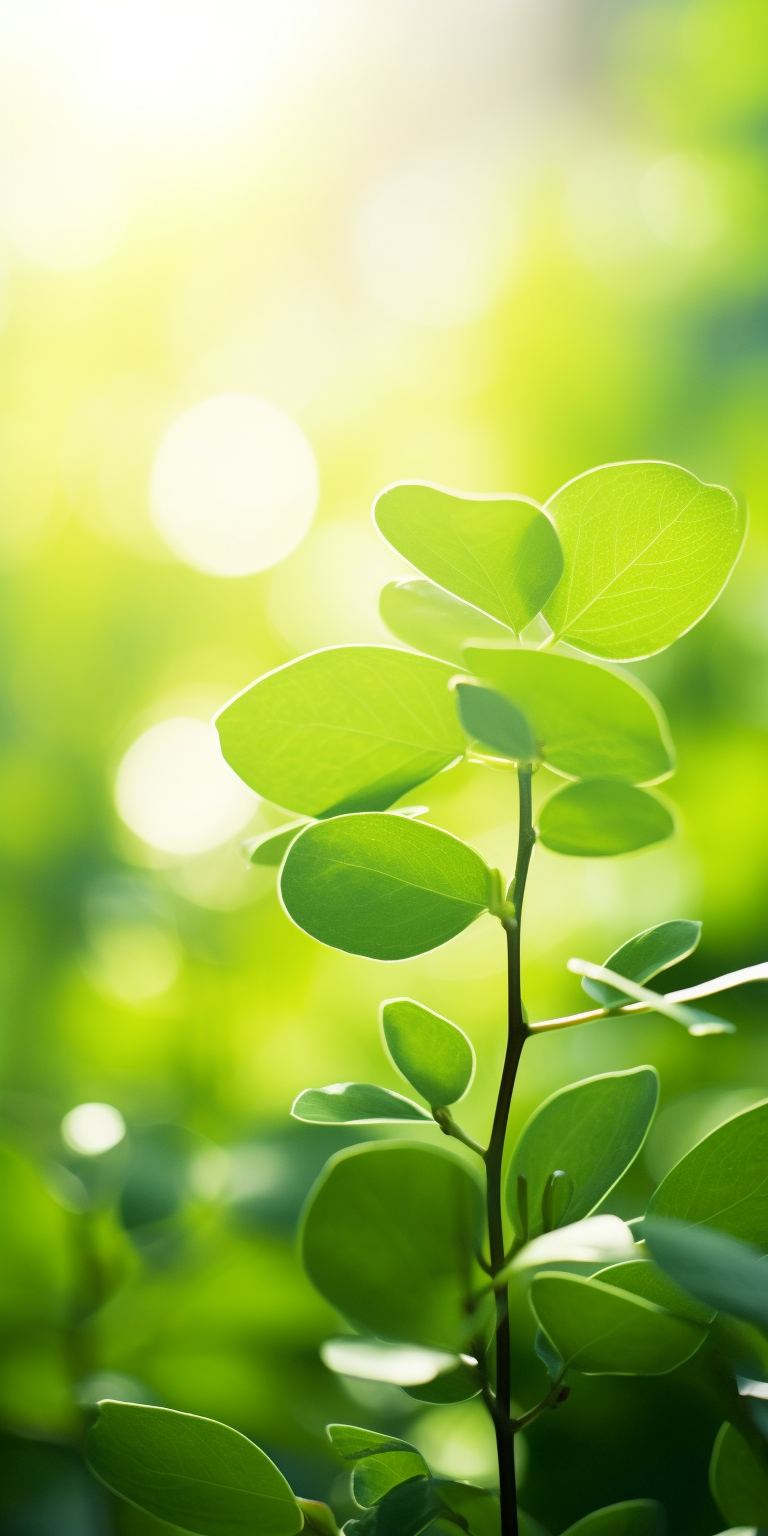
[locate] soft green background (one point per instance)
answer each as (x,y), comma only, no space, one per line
(627,242)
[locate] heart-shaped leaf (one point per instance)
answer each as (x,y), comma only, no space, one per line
(739,1482)
(644,956)
(431,620)
(606,1332)
(355,1104)
(434,1055)
(494,723)
(723,1181)
(596,818)
(722,1272)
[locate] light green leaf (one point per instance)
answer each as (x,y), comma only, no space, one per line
(350,728)
(269,847)
(494,723)
(589,721)
(434,1055)
(606,1332)
(355,1104)
(383,886)
(422,615)
(383,1462)
(402,1365)
(353,1443)
(644,1279)
(724,1273)
(599,817)
(595,1240)
(638,1517)
(318,1518)
(191,1471)
(648,548)
(644,956)
(456,1386)
(696,1020)
(389,1236)
(593,1131)
(723,1181)
(739,1482)
(500,553)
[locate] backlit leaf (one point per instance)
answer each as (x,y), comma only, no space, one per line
(431,620)
(739,1482)
(644,956)
(494,722)
(723,1181)
(637,1517)
(355,1104)
(606,1332)
(696,1020)
(723,1272)
(354,1443)
(645,1279)
(598,817)
(270,847)
(402,1365)
(434,1055)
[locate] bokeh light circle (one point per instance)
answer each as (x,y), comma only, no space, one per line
(175,791)
(93,1128)
(234,485)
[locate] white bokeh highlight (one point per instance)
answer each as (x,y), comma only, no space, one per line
(175,791)
(93,1128)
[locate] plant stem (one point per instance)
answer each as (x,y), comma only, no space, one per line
(517,1031)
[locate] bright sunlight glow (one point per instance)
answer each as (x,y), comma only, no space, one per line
(93,1128)
(175,791)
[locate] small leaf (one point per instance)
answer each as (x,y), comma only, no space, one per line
(600,817)
(644,956)
(648,549)
(383,886)
(434,1055)
(353,1443)
(190,1471)
(606,1332)
(403,1365)
(406,1510)
(389,1236)
(696,1020)
(346,729)
(422,615)
(723,1181)
(739,1482)
(500,553)
(724,1273)
(644,1279)
(589,721)
(318,1518)
(270,847)
(478,1509)
(494,723)
(638,1517)
(355,1104)
(594,1131)
(456,1386)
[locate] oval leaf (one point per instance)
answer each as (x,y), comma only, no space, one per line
(606,1332)
(588,722)
(722,1272)
(600,817)
(644,956)
(456,1386)
(648,548)
(422,615)
(593,1131)
(383,886)
(500,553)
(495,723)
(637,1517)
(191,1471)
(389,1236)
(434,1055)
(644,1279)
(739,1482)
(402,1365)
(723,1181)
(350,728)
(355,1104)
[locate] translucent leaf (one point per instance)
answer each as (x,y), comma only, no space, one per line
(606,1332)
(402,1365)
(648,549)
(434,1055)
(592,1241)
(724,1273)
(723,1181)
(270,847)
(355,1104)
(350,728)
(383,886)
(696,1020)
(422,615)
(596,818)
(500,553)
(739,1482)
(588,721)
(644,956)
(638,1517)
(645,1279)
(494,722)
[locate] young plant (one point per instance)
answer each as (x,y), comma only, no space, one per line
(513,629)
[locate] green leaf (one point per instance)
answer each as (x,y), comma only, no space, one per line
(269,847)
(723,1181)
(724,1273)
(638,1517)
(494,723)
(589,721)
(456,1386)
(351,728)
(355,1104)
(318,1518)
(596,1240)
(648,549)
(644,1279)
(384,1461)
(478,1508)
(696,1020)
(592,1130)
(500,553)
(191,1471)
(739,1482)
(406,1510)
(383,886)
(402,1365)
(389,1236)
(644,956)
(434,1055)
(422,615)
(354,1444)
(606,1332)
(599,817)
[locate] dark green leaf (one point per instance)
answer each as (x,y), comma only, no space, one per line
(644,956)
(696,1020)
(606,1332)
(494,723)
(383,1462)
(456,1386)
(644,1279)
(193,1472)
(592,1130)
(355,1104)
(433,1054)
(548,1355)
(500,553)
(422,615)
(589,721)
(648,548)
(739,1482)
(351,728)
(638,1517)
(270,847)
(599,817)
(389,1237)
(723,1272)
(383,886)
(318,1518)
(723,1181)
(478,1509)
(406,1510)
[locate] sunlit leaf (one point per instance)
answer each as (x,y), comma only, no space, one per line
(456,1386)
(638,1517)
(354,1443)
(355,1104)
(434,1055)
(270,847)
(696,1020)
(648,548)
(350,728)
(606,1332)
(589,721)
(723,1181)
(724,1273)
(383,886)
(403,1365)
(644,956)
(645,1279)
(494,722)
(595,1240)
(500,553)
(191,1471)
(739,1482)
(431,620)
(595,818)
